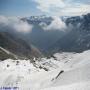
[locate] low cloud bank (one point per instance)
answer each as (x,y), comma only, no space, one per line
(15,24)
(56,24)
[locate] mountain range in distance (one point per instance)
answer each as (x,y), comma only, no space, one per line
(45,38)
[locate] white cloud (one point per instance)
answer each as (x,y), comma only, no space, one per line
(3,19)
(78,10)
(45,5)
(21,26)
(56,24)
(15,24)
(63,7)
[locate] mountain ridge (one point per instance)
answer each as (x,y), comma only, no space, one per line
(18,46)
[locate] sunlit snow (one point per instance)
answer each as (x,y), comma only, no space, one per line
(29,76)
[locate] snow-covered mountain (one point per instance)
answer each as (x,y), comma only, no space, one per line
(23,67)
(67,71)
(38,19)
(48,36)
(77,39)
(40,37)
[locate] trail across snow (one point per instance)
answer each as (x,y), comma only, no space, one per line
(25,76)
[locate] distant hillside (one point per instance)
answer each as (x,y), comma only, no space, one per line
(18,46)
(4,54)
(39,37)
(78,39)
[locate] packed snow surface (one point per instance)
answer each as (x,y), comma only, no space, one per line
(64,71)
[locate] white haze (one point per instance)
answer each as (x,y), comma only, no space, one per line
(56,24)
(15,24)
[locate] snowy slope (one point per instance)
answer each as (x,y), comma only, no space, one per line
(76,86)
(76,76)
(17,73)
(28,76)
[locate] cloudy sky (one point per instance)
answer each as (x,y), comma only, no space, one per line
(45,7)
